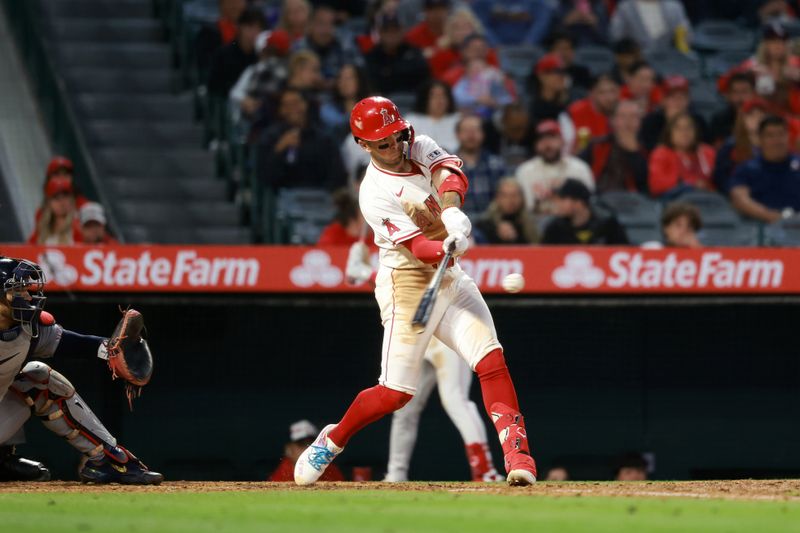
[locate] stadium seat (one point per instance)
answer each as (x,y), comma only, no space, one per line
(718,35)
(631,209)
(705,98)
(715,210)
(596,59)
(671,62)
(721,62)
(301,214)
(518,60)
(785,232)
(639,236)
(736,235)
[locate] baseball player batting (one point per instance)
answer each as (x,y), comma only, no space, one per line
(411,198)
(28,332)
(443,368)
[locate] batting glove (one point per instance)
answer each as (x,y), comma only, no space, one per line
(358,269)
(455,221)
(461,243)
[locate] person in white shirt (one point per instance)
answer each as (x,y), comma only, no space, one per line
(546,171)
(435,114)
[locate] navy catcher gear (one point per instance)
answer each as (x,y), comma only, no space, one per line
(24,281)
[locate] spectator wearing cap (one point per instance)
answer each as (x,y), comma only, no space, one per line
(506,221)
(618,160)
(435,114)
(550,91)
(58,223)
(631,467)
(483,168)
(301,434)
(295,18)
(642,87)
(60,167)
(228,63)
(776,70)
(654,24)
(675,100)
(585,21)
(767,187)
(93,224)
(394,65)
(322,40)
(549,168)
(212,37)
(774,11)
(577,223)
(483,87)
(681,162)
(461,24)
(294,153)
(590,115)
(563,45)
(680,223)
(742,145)
(258,82)
(737,88)
(515,21)
(427,33)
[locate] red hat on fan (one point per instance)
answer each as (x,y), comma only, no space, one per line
(548,127)
(675,83)
(755,103)
(58,185)
(59,163)
(375,118)
(550,63)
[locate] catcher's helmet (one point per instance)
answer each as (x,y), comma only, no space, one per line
(376,118)
(21,278)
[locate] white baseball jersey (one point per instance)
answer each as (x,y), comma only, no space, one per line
(400,206)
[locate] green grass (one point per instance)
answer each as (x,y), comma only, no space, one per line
(381,511)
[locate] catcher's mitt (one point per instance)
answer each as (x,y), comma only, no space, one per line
(129,355)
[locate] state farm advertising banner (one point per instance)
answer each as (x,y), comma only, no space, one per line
(285,269)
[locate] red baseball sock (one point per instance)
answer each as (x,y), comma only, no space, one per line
(370,405)
(496,384)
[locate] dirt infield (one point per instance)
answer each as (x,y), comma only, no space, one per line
(786,490)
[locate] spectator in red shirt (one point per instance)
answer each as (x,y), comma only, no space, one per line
(681,161)
(301,435)
(61,167)
(427,33)
(348,225)
(590,114)
(461,23)
(642,87)
(93,224)
(58,223)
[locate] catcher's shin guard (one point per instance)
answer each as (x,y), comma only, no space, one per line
(510,425)
(54,400)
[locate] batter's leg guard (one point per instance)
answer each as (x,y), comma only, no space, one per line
(53,399)
(480,462)
(510,425)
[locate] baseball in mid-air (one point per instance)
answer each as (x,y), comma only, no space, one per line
(513,283)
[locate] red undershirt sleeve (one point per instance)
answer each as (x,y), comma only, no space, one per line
(424,249)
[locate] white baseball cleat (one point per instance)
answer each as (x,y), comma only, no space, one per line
(316,458)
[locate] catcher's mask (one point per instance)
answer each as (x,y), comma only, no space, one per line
(24,282)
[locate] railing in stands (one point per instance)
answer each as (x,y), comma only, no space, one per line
(59,117)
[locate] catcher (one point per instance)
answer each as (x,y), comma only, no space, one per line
(27,332)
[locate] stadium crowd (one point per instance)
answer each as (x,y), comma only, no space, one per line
(554,106)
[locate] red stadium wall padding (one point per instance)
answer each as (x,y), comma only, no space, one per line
(288,269)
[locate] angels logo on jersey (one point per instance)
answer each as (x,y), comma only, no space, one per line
(391,228)
(387,118)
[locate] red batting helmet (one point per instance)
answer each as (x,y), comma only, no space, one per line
(375,118)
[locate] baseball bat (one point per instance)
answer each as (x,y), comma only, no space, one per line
(423,313)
